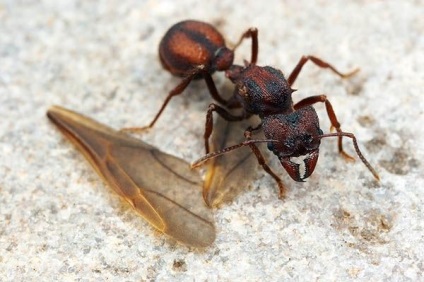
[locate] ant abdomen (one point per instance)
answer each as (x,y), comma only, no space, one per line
(189,44)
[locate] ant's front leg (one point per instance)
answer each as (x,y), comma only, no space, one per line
(332,116)
(209,121)
(320,63)
(262,162)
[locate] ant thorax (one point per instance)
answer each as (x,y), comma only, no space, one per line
(261,90)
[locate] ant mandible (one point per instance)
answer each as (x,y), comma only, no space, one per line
(291,130)
(194,50)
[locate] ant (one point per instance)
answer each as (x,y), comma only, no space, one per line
(291,130)
(194,50)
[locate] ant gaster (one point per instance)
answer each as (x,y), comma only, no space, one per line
(195,50)
(291,130)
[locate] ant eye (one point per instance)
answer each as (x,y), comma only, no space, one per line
(270,146)
(309,138)
(308,141)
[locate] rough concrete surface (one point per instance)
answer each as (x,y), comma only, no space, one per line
(59,221)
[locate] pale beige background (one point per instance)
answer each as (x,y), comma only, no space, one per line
(59,222)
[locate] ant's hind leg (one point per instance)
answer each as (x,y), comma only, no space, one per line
(331,115)
(320,63)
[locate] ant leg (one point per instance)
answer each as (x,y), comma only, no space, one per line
(320,63)
(331,115)
(212,89)
(174,92)
(261,161)
(252,33)
(209,121)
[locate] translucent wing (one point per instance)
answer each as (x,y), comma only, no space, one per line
(162,188)
(229,174)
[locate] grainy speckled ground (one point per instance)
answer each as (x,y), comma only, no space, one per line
(57,219)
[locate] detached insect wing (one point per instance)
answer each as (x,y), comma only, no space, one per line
(160,187)
(227,176)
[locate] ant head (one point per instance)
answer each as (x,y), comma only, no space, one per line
(223,59)
(298,136)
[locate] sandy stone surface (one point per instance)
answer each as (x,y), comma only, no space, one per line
(59,221)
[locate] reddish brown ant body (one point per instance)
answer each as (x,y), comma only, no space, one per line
(195,50)
(291,130)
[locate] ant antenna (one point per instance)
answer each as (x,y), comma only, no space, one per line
(212,155)
(355,145)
